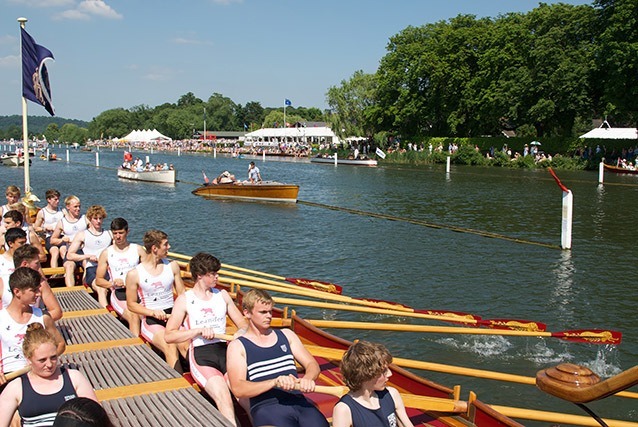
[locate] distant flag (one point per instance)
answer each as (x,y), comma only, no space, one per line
(245,126)
(35,77)
(288,102)
(380,153)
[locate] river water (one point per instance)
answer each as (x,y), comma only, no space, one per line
(591,286)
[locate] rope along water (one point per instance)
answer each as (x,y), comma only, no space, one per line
(431,225)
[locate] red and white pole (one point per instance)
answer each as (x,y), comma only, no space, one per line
(567,215)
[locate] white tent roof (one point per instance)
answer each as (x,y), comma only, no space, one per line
(271,136)
(145,135)
(607,132)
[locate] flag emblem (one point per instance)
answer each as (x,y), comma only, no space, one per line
(288,102)
(35,77)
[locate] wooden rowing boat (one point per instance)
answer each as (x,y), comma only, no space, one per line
(618,169)
(270,191)
(350,162)
(161,176)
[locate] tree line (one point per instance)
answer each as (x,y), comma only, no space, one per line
(544,73)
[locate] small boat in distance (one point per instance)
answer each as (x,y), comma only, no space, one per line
(269,191)
(160,176)
(345,161)
(12,159)
(618,169)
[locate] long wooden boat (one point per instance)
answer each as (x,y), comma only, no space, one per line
(270,191)
(161,176)
(618,169)
(351,162)
(137,388)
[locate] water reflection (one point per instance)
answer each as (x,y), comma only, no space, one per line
(564,293)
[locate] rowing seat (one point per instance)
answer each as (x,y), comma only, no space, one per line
(75,300)
(182,407)
(118,366)
(91,328)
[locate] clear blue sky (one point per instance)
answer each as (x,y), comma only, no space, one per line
(123,53)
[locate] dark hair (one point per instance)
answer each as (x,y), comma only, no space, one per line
(82,412)
(52,192)
(203,263)
(119,224)
(16,216)
(13,234)
(24,278)
(25,253)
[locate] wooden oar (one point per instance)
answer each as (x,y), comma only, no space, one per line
(16,374)
(307,283)
(419,315)
(335,354)
(447,315)
(592,336)
(424,403)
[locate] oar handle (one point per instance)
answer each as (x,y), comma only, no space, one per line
(16,374)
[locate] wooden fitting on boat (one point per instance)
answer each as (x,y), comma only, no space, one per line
(565,380)
(578,384)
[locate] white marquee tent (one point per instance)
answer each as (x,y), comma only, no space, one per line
(272,137)
(145,135)
(607,132)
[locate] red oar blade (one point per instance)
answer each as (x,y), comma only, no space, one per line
(592,336)
(317,285)
(514,324)
(462,317)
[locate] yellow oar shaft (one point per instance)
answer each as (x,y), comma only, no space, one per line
(398,327)
(557,417)
(369,310)
(16,374)
(299,291)
(232,267)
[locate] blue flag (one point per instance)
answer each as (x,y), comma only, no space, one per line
(35,77)
(287,102)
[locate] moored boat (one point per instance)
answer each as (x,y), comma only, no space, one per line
(159,176)
(270,191)
(346,161)
(618,169)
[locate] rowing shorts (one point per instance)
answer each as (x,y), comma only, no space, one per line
(292,411)
(151,325)
(207,361)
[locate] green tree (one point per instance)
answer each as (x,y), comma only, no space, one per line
(70,133)
(52,133)
(617,58)
(114,123)
(188,99)
(349,103)
(221,113)
(252,115)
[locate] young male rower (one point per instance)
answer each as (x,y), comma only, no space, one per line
(261,366)
(203,311)
(15,219)
(24,283)
(153,281)
(46,220)
(14,238)
(113,264)
(71,223)
(92,242)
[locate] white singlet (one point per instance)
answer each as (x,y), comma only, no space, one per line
(13,334)
(121,262)
(51,219)
(70,229)
(94,244)
(206,314)
(6,265)
(156,292)
(7,296)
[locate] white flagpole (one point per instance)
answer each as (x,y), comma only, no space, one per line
(284,126)
(25,124)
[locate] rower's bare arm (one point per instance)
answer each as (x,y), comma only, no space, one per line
(177,274)
(56,237)
(49,325)
(102,269)
(39,221)
(83,387)
(173,333)
(399,408)
(235,315)
(132,283)
(9,402)
(50,301)
(341,415)
(303,356)
(35,241)
(72,254)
